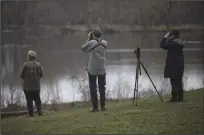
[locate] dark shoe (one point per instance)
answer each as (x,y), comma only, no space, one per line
(174,96)
(180,100)
(103,109)
(30,115)
(94,110)
(40,114)
(172,100)
(180,97)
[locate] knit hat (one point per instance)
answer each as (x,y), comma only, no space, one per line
(97,32)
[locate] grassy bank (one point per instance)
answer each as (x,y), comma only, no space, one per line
(151,116)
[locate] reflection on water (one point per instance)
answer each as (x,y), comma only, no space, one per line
(120,77)
(62,60)
(126,74)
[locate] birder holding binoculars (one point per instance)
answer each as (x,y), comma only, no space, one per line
(95,46)
(174,68)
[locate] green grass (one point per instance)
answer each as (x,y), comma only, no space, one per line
(151,116)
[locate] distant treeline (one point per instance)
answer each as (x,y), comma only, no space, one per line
(128,12)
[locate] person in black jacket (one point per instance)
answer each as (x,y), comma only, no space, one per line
(174,68)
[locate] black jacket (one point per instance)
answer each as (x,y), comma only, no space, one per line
(174,67)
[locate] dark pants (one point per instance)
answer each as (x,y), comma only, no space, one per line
(30,97)
(177,89)
(93,89)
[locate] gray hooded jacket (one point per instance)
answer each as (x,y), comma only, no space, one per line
(96,50)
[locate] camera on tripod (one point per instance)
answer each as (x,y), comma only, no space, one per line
(138,72)
(137,52)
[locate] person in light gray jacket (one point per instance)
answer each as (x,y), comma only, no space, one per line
(96,48)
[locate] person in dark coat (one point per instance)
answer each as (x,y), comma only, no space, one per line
(174,67)
(31,73)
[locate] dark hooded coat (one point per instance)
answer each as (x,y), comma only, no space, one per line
(174,67)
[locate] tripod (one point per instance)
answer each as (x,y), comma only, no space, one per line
(138,72)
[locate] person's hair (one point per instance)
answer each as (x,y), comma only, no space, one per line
(97,32)
(176,32)
(31,55)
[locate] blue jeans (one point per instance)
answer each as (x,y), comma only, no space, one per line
(93,89)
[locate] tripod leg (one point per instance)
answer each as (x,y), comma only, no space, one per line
(136,74)
(137,80)
(137,86)
(139,66)
(151,81)
(133,100)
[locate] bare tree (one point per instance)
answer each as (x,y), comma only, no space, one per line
(164,14)
(51,93)
(117,89)
(81,83)
(164,86)
(2,85)
(122,89)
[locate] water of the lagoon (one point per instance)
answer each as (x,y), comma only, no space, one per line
(61,63)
